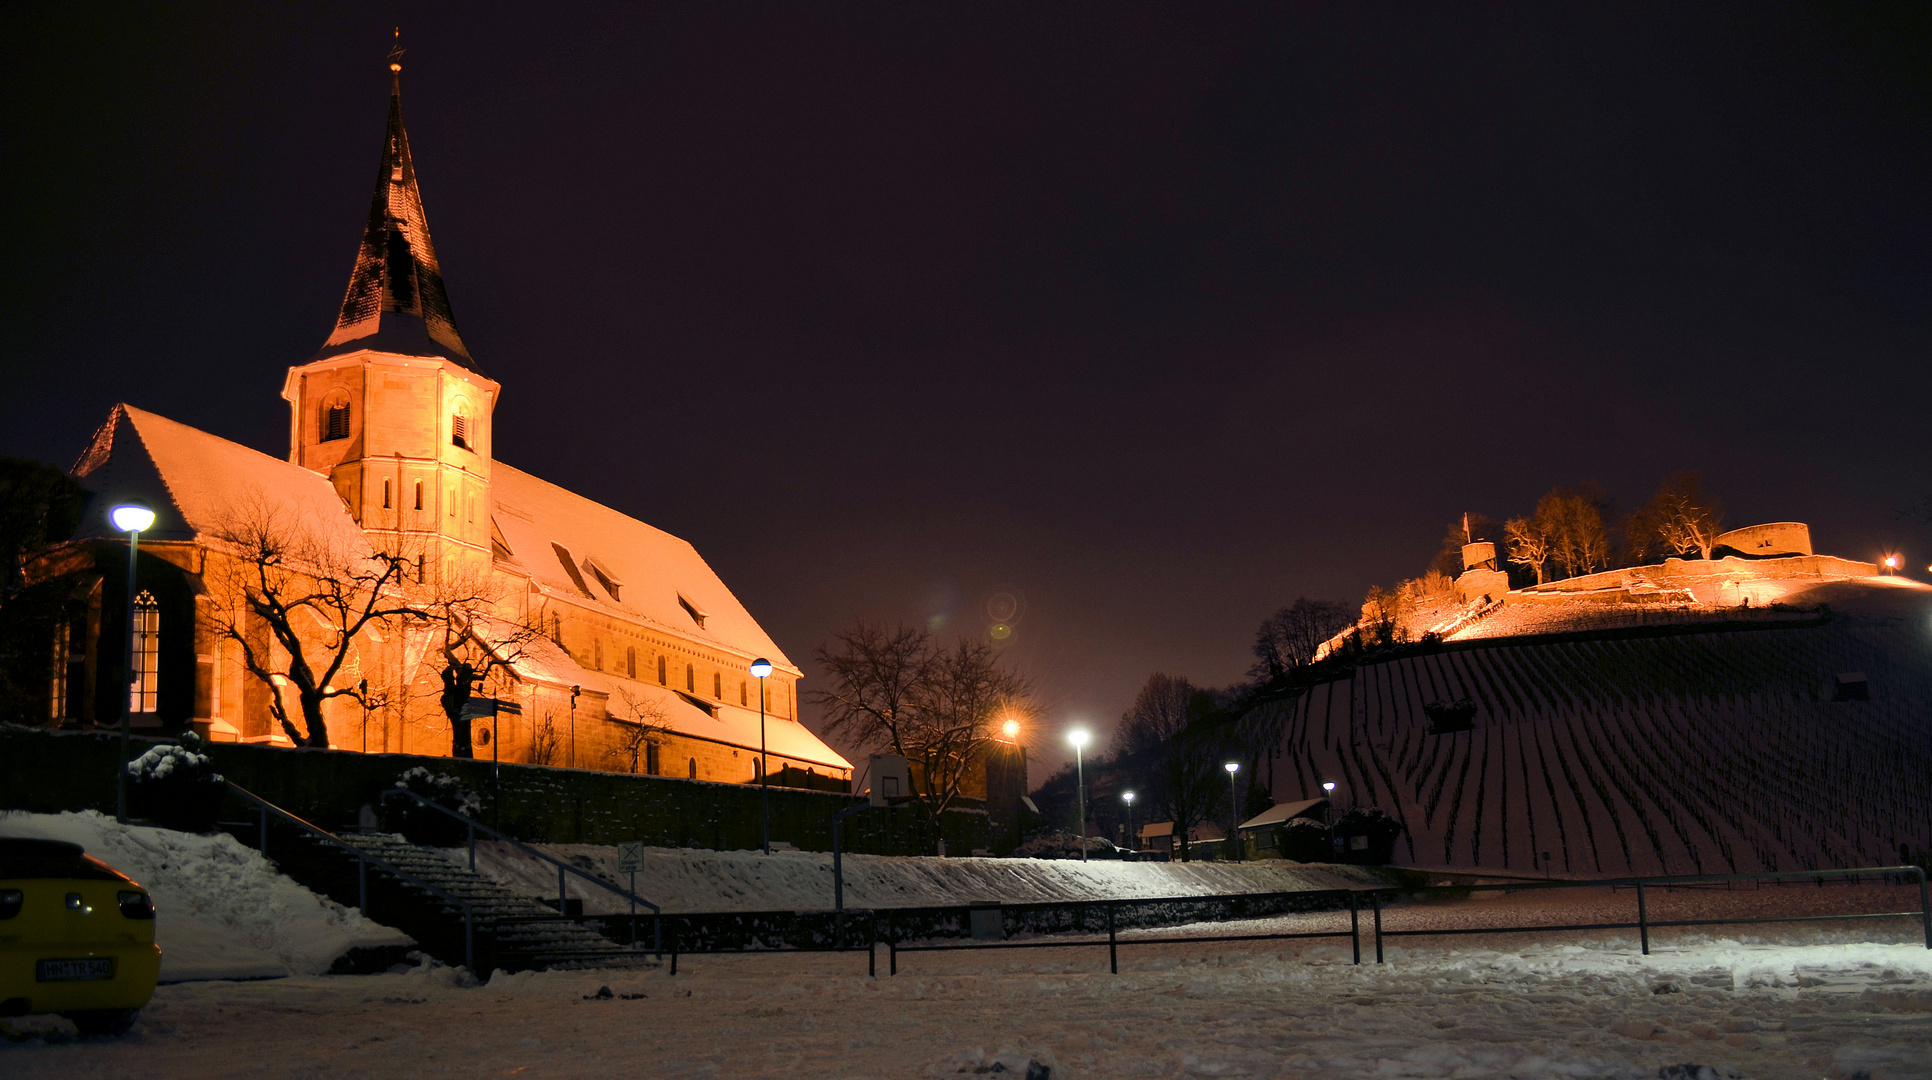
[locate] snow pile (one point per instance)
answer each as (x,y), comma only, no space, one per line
(690,880)
(221,910)
(161,760)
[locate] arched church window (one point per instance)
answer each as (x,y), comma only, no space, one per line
(690,679)
(630,662)
(717,685)
(142,695)
(385,494)
(660,671)
(335,417)
(742,699)
(419,494)
(694,768)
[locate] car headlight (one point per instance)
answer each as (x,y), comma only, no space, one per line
(136,905)
(10,900)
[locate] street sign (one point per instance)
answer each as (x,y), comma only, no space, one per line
(478,707)
(630,856)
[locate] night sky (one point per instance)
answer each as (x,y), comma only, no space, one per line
(1156,316)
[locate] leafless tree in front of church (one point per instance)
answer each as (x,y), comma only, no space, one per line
(305,604)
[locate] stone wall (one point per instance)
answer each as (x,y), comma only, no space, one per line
(47,771)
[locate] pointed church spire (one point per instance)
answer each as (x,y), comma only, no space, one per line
(396,300)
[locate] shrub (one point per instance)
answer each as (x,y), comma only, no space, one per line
(176,786)
(419,824)
(1376,830)
(1305,840)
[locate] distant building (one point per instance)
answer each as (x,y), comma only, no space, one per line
(392,451)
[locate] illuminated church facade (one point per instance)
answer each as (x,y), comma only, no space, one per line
(616,646)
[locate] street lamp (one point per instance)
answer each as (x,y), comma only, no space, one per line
(1234,805)
(132,518)
(1329,789)
(1079,738)
(761,667)
(1012,729)
(1128,798)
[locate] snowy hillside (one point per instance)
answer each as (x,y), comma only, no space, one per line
(685,880)
(1680,753)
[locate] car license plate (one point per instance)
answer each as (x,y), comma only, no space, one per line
(73,970)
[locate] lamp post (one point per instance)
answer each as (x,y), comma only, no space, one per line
(1078,737)
(761,667)
(1234,808)
(1329,787)
(574,691)
(132,518)
(1128,798)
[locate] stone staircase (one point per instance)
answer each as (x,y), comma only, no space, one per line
(520,932)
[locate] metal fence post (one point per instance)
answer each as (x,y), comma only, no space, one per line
(1643,920)
(1113,958)
(1355,925)
(674,952)
(1375,902)
(563,908)
(1925,909)
(872,948)
(892,954)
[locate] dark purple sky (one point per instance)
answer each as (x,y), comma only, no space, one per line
(1157,315)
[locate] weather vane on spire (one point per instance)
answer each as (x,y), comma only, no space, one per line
(396,53)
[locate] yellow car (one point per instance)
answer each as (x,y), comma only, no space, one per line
(76,937)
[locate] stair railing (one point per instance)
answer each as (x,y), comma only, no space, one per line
(363,859)
(563,868)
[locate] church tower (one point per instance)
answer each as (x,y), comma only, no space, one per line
(393,408)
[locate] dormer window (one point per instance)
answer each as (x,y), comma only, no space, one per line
(691,609)
(604,576)
(459,431)
(335,417)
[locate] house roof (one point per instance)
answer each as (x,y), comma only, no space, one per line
(396,301)
(582,550)
(201,486)
(1281,812)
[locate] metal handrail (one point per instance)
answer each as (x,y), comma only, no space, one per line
(562,867)
(362,867)
(1644,923)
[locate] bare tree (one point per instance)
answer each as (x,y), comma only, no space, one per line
(1572,520)
(1288,638)
(294,582)
(1528,545)
(1172,737)
(641,721)
(899,690)
(545,743)
(1678,519)
(473,646)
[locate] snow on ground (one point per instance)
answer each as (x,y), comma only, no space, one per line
(1832,1000)
(221,910)
(682,880)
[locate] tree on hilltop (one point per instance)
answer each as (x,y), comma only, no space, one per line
(1288,638)
(1679,519)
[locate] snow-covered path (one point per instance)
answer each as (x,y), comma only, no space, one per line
(1795,1005)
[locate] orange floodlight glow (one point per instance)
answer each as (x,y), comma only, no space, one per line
(1012,729)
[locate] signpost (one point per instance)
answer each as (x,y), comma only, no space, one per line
(477,708)
(630,859)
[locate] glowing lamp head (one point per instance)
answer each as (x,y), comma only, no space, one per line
(761,667)
(132,517)
(1127,797)
(1011,728)
(1079,737)
(1232,767)
(1891,561)
(1329,787)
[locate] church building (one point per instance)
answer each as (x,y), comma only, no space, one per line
(390,545)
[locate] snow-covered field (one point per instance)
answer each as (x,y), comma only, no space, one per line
(1810,1003)
(221,910)
(681,879)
